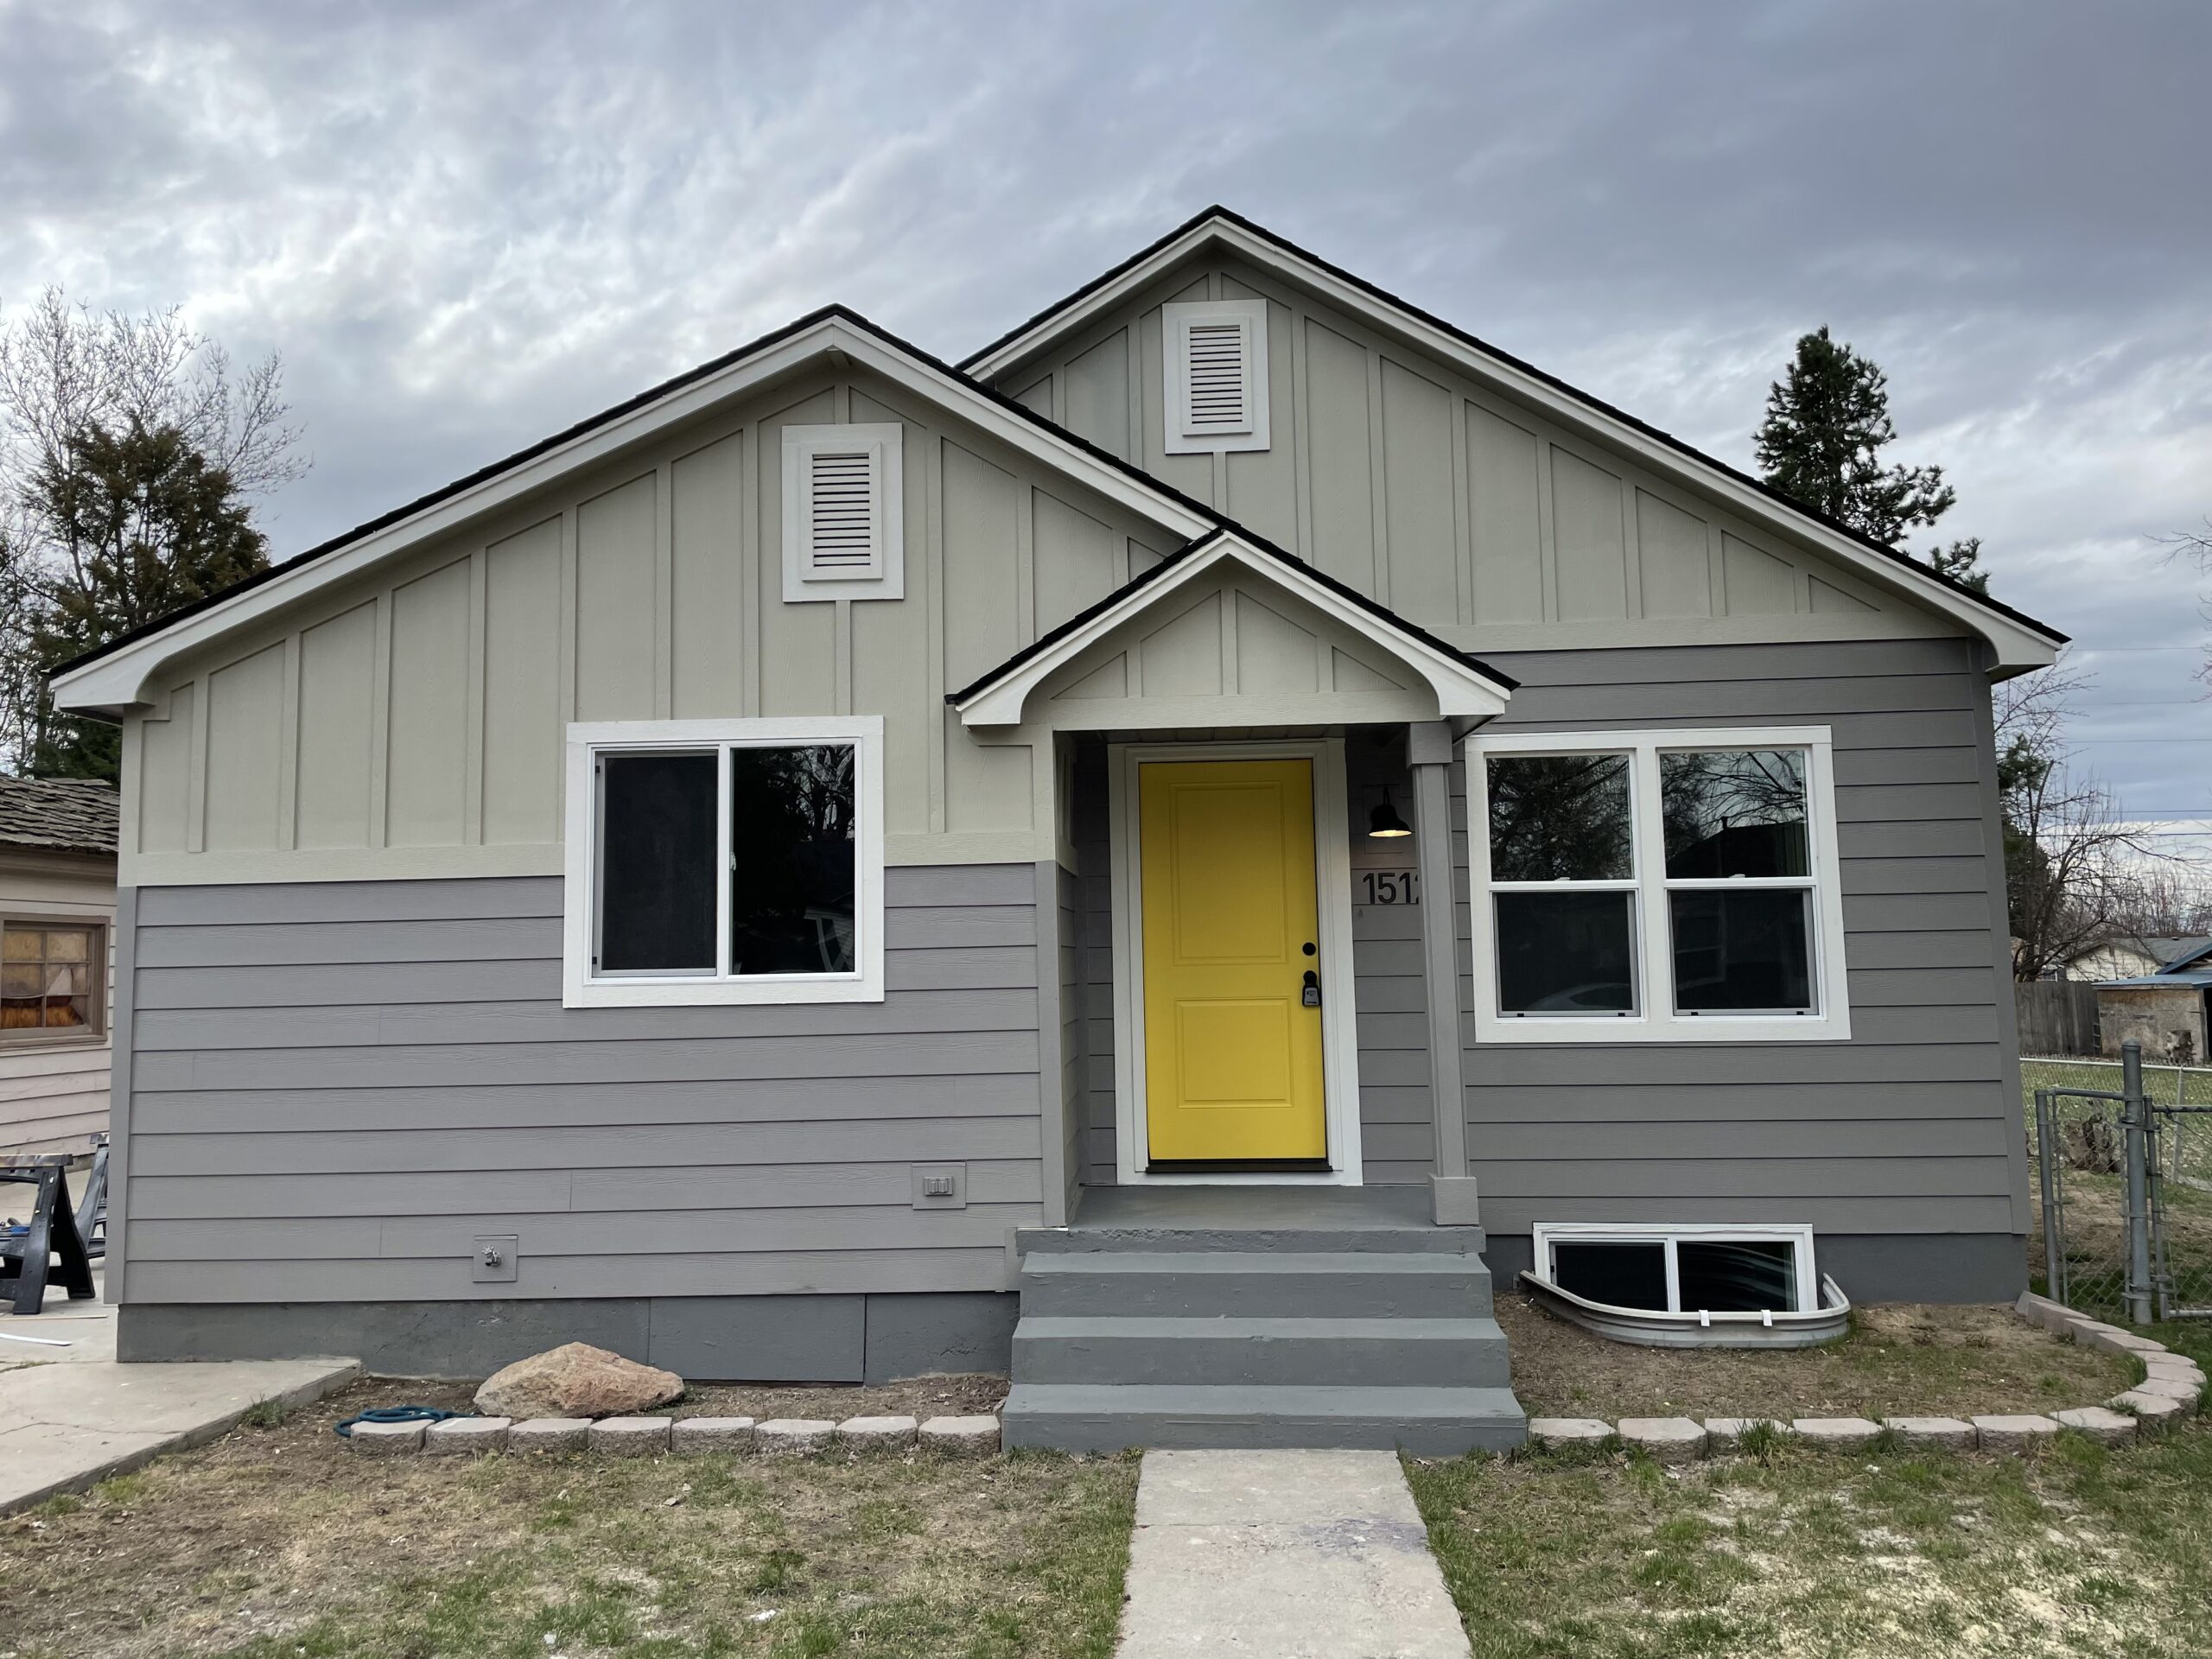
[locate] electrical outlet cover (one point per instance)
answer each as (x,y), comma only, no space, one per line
(940,1186)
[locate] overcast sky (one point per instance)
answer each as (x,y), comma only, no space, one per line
(467,225)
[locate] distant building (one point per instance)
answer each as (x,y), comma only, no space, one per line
(57,918)
(2128,958)
(2168,1011)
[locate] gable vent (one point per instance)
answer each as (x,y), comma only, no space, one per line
(1215,376)
(843,511)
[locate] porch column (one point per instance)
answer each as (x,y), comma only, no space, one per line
(1428,751)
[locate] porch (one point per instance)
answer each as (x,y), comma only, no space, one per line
(1253,1315)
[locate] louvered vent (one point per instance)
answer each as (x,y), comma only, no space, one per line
(844,511)
(841,510)
(1214,375)
(1220,377)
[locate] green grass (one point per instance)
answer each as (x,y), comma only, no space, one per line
(2076,1551)
(2095,1244)
(276,1543)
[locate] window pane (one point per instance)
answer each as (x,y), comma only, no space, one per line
(22,943)
(68,944)
(1564,953)
(68,1011)
(1737,1277)
(793,859)
(22,988)
(1734,812)
(1559,817)
(1621,1276)
(656,863)
(1739,950)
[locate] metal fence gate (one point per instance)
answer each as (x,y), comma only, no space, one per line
(2123,1156)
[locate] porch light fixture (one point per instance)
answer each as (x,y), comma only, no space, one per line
(1384,824)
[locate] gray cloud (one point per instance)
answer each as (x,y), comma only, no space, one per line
(465,225)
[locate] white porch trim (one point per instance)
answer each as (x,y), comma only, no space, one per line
(1462,692)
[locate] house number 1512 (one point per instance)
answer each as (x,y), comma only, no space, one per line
(1391,887)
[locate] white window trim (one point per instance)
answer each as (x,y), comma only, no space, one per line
(885,575)
(587,740)
(1655,1020)
(1545,1234)
(1176,319)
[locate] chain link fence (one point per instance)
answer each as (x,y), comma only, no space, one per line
(2093,1246)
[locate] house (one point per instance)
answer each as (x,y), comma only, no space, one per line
(2127,957)
(840,853)
(2168,1012)
(57,908)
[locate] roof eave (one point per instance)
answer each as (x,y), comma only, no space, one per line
(1466,687)
(114,679)
(2021,643)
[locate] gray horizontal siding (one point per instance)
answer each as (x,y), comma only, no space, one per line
(1910,1125)
(335,1087)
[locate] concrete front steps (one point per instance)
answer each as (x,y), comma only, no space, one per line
(1271,1318)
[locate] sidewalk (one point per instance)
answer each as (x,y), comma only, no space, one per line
(71,1416)
(1283,1555)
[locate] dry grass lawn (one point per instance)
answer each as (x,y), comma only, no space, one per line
(2077,1551)
(277,1542)
(1926,1360)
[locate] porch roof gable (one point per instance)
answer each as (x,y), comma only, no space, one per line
(1464,687)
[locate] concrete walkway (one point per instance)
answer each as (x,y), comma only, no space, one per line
(71,1416)
(1284,1554)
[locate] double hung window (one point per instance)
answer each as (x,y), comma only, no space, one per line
(725,861)
(1655,886)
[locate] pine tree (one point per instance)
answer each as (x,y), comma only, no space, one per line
(148,523)
(1827,422)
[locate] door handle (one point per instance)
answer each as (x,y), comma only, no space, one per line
(1311,996)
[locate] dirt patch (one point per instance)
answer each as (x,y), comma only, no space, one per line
(1900,1357)
(923,1397)
(278,1541)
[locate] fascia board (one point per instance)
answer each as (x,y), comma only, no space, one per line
(2019,648)
(118,680)
(1460,690)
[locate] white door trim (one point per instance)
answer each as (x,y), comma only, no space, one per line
(1339,1012)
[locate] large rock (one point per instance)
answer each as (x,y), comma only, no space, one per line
(576,1380)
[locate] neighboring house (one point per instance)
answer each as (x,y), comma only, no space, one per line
(703,883)
(2127,958)
(2168,1012)
(57,908)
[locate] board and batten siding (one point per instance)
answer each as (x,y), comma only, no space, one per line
(54,1095)
(1913,1125)
(410,723)
(335,1087)
(1449,502)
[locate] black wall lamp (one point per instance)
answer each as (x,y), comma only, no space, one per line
(1384,824)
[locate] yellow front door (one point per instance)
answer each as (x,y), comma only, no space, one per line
(1231,928)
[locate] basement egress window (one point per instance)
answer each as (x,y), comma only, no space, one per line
(1650,886)
(1663,1269)
(724,861)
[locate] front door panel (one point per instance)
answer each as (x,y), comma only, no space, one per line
(1230,923)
